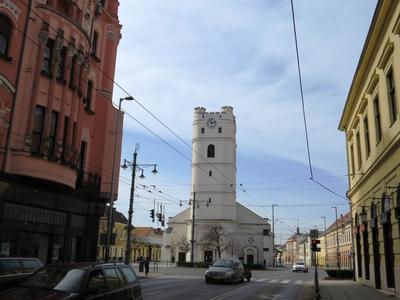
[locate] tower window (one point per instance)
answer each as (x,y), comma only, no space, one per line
(209,173)
(219,129)
(211,151)
(202,129)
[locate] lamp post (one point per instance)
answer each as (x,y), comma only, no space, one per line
(326,243)
(337,239)
(133,166)
(110,209)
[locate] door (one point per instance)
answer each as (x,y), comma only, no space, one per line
(250,259)
(377,258)
(389,256)
(96,287)
(116,288)
(208,256)
(182,257)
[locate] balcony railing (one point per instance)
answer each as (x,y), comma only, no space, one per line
(89,182)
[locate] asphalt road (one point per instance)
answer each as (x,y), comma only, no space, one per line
(182,283)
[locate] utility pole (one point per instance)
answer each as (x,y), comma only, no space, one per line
(337,239)
(134,167)
(193,223)
(273,236)
(326,243)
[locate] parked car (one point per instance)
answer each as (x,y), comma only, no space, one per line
(14,270)
(225,270)
(70,281)
(300,266)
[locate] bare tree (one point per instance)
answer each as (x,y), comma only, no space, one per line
(184,245)
(214,238)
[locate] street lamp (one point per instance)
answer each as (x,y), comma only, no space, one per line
(337,239)
(110,209)
(134,166)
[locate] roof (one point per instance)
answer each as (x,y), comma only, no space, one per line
(343,220)
(118,217)
(146,231)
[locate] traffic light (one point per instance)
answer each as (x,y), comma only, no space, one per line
(314,245)
(159,216)
(152,214)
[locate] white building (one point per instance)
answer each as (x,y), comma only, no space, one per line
(247,235)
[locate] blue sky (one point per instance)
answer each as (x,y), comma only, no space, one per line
(178,55)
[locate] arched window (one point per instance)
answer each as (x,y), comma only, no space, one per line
(211,151)
(5,33)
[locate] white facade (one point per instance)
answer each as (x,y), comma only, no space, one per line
(214,195)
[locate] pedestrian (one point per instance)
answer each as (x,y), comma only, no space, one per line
(146,265)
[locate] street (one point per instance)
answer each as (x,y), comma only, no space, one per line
(186,283)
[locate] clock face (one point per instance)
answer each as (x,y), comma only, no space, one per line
(211,122)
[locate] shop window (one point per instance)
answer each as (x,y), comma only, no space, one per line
(5,33)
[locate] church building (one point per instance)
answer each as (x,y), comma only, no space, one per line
(215,221)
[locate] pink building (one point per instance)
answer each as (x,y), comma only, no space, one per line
(57,125)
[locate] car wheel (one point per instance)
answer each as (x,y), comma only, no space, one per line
(242,279)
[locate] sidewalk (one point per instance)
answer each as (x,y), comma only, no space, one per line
(344,289)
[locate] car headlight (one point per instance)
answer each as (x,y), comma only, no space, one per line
(207,272)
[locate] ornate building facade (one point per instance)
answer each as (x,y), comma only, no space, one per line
(371,122)
(58,125)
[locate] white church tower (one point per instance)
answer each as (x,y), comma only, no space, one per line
(214,164)
(213,199)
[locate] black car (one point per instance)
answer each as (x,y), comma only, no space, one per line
(14,270)
(73,281)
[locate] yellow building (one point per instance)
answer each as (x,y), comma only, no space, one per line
(371,123)
(118,241)
(147,242)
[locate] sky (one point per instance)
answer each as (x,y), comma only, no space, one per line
(177,55)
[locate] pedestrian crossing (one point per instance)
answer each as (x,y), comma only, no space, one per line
(254,280)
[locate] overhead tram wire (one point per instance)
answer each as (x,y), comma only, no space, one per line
(303,108)
(147,110)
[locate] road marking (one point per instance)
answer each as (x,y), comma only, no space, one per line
(298,282)
(285,281)
(260,280)
(273,281)
(227,294)
(153,293)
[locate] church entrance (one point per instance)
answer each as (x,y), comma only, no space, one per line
(250,259)
(208,256)
(181,256)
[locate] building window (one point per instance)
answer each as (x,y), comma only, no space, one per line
(82,155)
(219,129)
(352,160)
(211,151)
(5,33)
(65,135)
(377,116)
(47,58)
(202,129)
(94,43)
(37,129)
(61,64)
(359,158)
(72,73)
(366,135)
(209,173)
(53,130)
(89,95)
(392,96)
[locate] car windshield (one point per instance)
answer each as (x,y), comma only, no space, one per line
(223,263)
(61,279)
